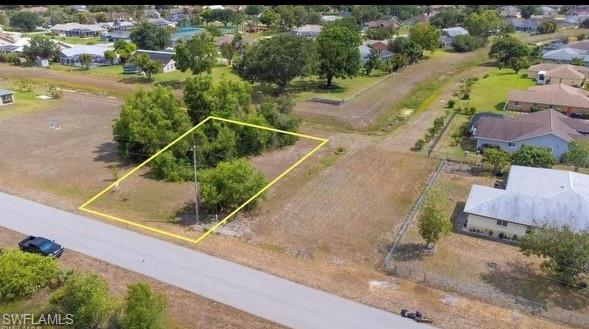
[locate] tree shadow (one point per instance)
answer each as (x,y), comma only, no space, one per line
(534,290)
(107,152)
(135,80)
(410,251)
(499,106)
(185,216)
(174,84)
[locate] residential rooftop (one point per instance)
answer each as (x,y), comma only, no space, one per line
(554,94)
(534,197)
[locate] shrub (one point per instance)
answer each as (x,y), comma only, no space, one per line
(22,274)
(419,144)
(466,96)
(486,76)
(339,150)
(451,103)
(54,92)
(581,36)
(23,85)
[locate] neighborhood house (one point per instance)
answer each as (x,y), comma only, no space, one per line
(164,57)
(448,35)
(532,198)
(567,74)
(78,30)
(308,30)
(6,97)
(556,96)
(71,56)
(548,128)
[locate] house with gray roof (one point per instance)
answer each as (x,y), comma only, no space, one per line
(509,11)
(447,35)
(529,25)
(164,57)
(566,55)
(71,56)
(116,35)
(308,30)
(383,54)
(547,128)
(78,30)
(533,197)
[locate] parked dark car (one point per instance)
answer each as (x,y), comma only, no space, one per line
(40,245)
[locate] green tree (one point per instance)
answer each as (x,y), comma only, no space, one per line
(578,61)
(25,20)
(497,159)
(86,297)
(86,61)
(110,56)
(22,274)
(338,51)
(434,223)
(480,24)
(149,120)
(269,18)
(506,48)
(371,61)
(277,60)
(228,52)
(197,54)
(84,18)
(528,10)
(533,156)
(150,37)
(254,10)
(224,16)
(547,27)
(146,64)
(229,185)
(577,155)
(425,35)
(448,17)
(464,43)
(225,98)
(101,17)
(565,252)
(124,49)
(143,308)
(407,47)
(39,46)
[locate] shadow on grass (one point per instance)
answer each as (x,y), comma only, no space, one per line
(410,251)
(499,106)
(106,152)
(533,290)
(458,216)
(134,80)
(185,216)
(174,84)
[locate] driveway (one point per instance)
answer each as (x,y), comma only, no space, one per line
(252,291)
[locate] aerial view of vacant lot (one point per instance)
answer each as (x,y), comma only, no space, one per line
(236,226)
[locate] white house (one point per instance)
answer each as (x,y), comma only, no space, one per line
(71,56)
(164,57)
(6,97)
(77,30)
(308,30)
(532,198)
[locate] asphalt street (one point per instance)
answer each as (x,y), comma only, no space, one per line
(264,295)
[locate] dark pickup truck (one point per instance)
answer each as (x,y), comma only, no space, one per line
(41,246)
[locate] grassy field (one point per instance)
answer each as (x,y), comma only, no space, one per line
(79,41)
(489,94)
(25,102)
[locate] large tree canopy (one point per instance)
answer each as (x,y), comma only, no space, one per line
(277,60)
(425,35)
(197,54)
(39,46)
(339,55)
(481,24)
(150,37)
(25,20)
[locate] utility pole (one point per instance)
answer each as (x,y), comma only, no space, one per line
(195,182)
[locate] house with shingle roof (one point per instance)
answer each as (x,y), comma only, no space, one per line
(71,56)
(164,57)
(566,55)
(559,97)
(78,30)
(547,73)
(547,128)
(533,197)
(308,30)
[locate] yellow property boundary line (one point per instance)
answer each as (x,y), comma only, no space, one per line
(84,206)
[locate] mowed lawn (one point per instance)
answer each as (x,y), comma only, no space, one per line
(25,102)
(79,41)
(489,94)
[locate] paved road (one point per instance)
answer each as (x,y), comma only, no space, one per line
(252,291)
